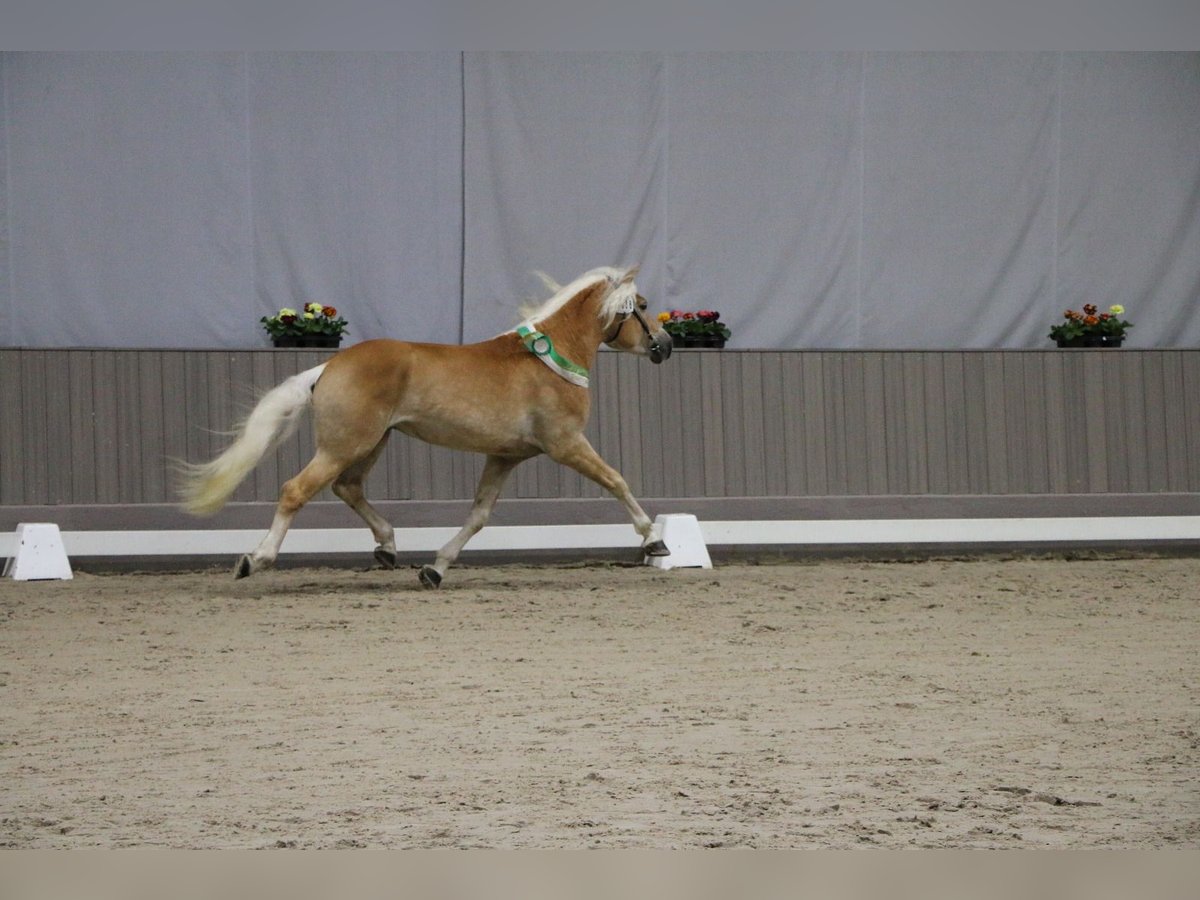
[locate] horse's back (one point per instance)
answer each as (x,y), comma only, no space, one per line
(409,373)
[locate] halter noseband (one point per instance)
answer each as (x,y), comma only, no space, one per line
(620,322)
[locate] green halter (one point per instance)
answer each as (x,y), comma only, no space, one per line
(542,347)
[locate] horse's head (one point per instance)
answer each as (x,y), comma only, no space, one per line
(627,326)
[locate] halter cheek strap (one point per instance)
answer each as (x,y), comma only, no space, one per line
(542,347)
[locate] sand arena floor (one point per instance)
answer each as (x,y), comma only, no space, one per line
(947,703)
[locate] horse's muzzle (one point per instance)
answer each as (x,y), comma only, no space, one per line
(660,347)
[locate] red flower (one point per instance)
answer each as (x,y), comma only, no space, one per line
(287,320)
(1089,308)
(328,311)
(687,316)
(1090,319)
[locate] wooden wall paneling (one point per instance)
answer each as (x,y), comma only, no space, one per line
(420,457)
(995,419)
(895,424)
(32,388)
(683,426)
(712,412)
(108,439)
(1127,457)
(628,460)
(816,442)
(82,435)
(59,453)
(1176,442)
(197,437)
(1036,466)
(854,407)
(129,427)
(12,429)
(463,480)
(916,417)
(445,487)
(604,427)
(1016,424)
(668,387)
(174,417)
(834,418)
(795,424)
(152,397)
(1190,401)
(1116,425)
(975,417)
(936,428)
(873,430)
(1054,399)
(749,393)
(1096,419)
(647,400)
(733,434)
(774,417)
(89,427)
(955,424)
(1130,385)
(1075,421)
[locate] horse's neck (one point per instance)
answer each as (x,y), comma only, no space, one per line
(576,331)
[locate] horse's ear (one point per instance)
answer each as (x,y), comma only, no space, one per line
(629,276)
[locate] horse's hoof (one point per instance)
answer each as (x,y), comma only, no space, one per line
(656,548)
(243,568)
(385,558)
(429,577)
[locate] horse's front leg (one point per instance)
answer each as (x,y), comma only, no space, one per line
(579,455)
(491,483)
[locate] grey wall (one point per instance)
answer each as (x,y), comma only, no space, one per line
(97,428)
(827,200)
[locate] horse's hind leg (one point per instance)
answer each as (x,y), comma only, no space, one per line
(491,483)
(349,487)
(295,493)
(579,455)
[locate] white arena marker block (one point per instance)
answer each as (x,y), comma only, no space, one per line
(40,555)
(681,533)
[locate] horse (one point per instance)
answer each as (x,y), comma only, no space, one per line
(513,397)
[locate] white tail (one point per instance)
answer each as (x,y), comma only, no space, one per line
(204,488)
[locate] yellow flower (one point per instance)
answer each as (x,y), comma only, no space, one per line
(313,308)
(1117,309)
(309,315)
(664,317)
(287,312)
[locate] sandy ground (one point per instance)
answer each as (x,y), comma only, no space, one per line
(1020,703)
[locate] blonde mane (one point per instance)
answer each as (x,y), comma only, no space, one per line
(621,295)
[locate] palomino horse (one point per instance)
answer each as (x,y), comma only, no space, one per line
(513,397)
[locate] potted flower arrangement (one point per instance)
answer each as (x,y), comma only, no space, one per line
(314,326)
(695,329)
(1091,328)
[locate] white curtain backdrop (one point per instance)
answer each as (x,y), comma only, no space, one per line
(826,200)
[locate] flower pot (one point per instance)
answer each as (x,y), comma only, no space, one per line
(698,341)
(1091,340)
(308,340)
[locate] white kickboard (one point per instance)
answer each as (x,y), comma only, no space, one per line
(39,554)
(683,537)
